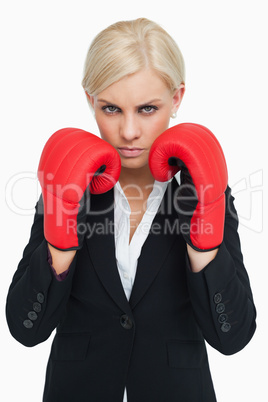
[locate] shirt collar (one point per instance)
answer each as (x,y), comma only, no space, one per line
(154,199)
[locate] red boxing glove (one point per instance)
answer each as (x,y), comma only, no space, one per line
(73,163)
(195,151)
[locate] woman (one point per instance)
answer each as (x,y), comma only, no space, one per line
(140,270)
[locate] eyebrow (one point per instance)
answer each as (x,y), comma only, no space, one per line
(139,106)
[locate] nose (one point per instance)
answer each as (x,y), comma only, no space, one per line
(129,128)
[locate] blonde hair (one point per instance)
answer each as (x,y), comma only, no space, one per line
(127,47)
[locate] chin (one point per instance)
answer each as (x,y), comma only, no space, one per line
(134,164)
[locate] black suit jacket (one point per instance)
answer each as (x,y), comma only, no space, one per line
(153,344)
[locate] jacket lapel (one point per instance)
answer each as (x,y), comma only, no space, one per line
(156,246)
(101,247)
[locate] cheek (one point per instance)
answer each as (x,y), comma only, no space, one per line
(106,130)
(158,126)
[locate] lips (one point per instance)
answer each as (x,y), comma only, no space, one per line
(130,152)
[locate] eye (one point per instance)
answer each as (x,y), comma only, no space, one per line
(148,109)
(110,109)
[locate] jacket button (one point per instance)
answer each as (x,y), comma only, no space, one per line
(222,318)
(220,308)
(217,298)
(28,324)
(40,297)
(126,322)
(226,327)
(37,307)
(32,315)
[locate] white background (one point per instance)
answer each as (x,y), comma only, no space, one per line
(43,47)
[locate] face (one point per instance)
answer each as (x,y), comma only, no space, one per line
(133,112)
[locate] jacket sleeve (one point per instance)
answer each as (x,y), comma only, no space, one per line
(221,295)
(36,300)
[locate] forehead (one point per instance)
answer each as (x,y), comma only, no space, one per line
(136,89)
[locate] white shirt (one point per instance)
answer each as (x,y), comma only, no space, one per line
(127,254)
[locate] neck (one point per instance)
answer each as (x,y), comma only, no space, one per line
(133,179)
